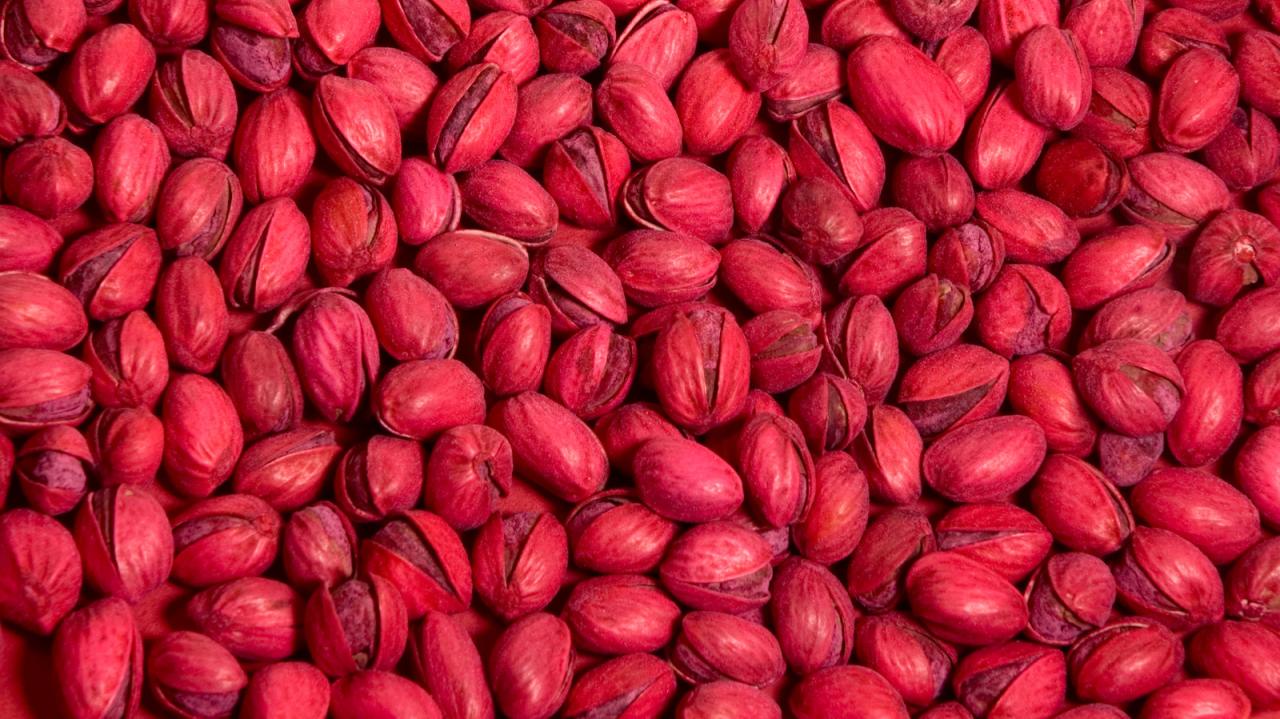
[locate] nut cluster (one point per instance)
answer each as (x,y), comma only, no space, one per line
(625,359)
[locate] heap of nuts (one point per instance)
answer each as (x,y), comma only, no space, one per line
(623,359)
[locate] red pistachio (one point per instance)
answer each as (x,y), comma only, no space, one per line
(378,694)
(126,542)
(423,560)
(911,659)
(297,689)
(449,664)
(318,546)
(858,334)
(127,445)
(519,561)
(831,142)
(938,190)
(620,614)
(549,107)
(357,625)
(42,577)
(1071,594)
(1041,387)
(222,538)
(192,675)
(112,270)
(813,616)
(961,600)
(893,541)
(1005,538)
(907,100)
(1167,578)
(1004,141)
(892,254)
(97,654)
(845,691)
(128,362)
(718,566)
(1240,652)
(1133,386)
(1123,661)
(532,667)
(274,148)
(287,469)
(571,466)
(255,618)
(713,646)
(1084,511)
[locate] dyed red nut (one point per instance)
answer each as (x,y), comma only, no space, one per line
(965,56)
(97,657)
(625,430)
(1196,100)
(706,338)
(1128,460)
(222,538)
(1071,594)
(1241,652)
(355,125)
(575,37)
(1004,142)
(318,547)
(893,541)
(53,468)
(931,314)
(1247,151)
(128,362)
(765,277)
(953,387)
(472,268)
(425,200)
(784,350)
(819,224)
(931,21)
(26,241)
(170,26)
(778,472)
(660,38)
(288,469)
(405,80)
(1155,315)
(513,344)
(427,28)
(578,287)
(906,98)
(500,197)
(937,190)
(591,372)
(680,195)
(892,254)
(1204,697)
(620,614)
(812,615)
(127,445)
(1132,385)
(584,172)
(551,446)
(832,143)
(291,690)
(1041,387)
(1167,578)
(956,710)
(1215,398)
(613,533)
(715,646)
(1260,402)
(1251,584)
(266,257)
(1033,230)
(1171,32)
(126,542)
(519,561)
(847,22)
(961,600)
(377,694)
(1106,31)
(639,685)
(111,270)
(1124,660)
(357,625)
(725,699)
(1003,537)
(718,566)
(41,31)
(262,383)
(423,559)
(1246,328)
(1082,178)
(658,267)
(714,106)
(274,147)
(1235,251)
(192,675)
(859,335)
(107,74)
(470,116)
(1052,69)
(845,691)
(191,314)
(130,158)
(202,435)
(1026,310)
(633,103)
(1018,679)
(1256,54)
(421,398)
(913,661)
(838,517)
(531,667)
(767,41)
(253,42)
(503,38)
(1005,23)
(198,207)
(830,412)
(449,664)
(41,388)
(1134,258)
(1084,511)
(256,619)
(40,313)
(412,319)
(353,231)
(800,92)
(193,103)
(469,469)
(41,580)
(549,108)
(1172,194)
(335,346)
(331,33)
(48,176)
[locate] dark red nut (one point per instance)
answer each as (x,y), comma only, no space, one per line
(318,547)
(859,335)
(1206,697)
(1024,311)
(41,580)
(633,103)
(222,538)
(380,694)
(1015,679)
(193,103)
(296,688)
(931,314)
(107,74)
(613,533)
(192,675)
(127,445)
(355,626)
(203,437)
(423,559)
(97,655)
(764,276)
(262,383)
(1247,151)
(965,56)
(469,469)
(1247,329)
(26,241)
(830,412)
(812,615)
(838,517)
(551,446)
(1171,32)
(513,344)
(502,198)
(961,600)
(784,350)
(41,31)
(549,107)
(446,659)
(1032,229)
(128,362)
(335,347)
(1053,75)
(956,710)
(1115,262)
(777,469)
(932,21)
(48,176)
(725,699)
(1003,142)
(892,254)
(847,22)
(701,366)
(421,398)
(715,646)
(531,667)
(908,101)
(198,207)
(42,388)
(6,467)
(355,124)
(624,431)
(1156,315)
(112,270)
(126,542)
(253,42)
(1133,386)
(288,469)
(52,469)
(331,32)
(818,222)
(714,106)
(1256,54)
(591,372)
(472,268)
(39,313)
(256,619)
(1005,538)
(1092,711)
(822,80)
(584,172)
(620,614)
(274,146)
(1124,660)
(938,190)
(718,566)
(427,28)
(1172,194)
(470,116)
(405,80)
(192,314)
(503,38)
(660,38)
(956,386)
(681,195)
(1041,387)
(1215,399)
(1005,23)
(1071,594)
(1081,177)
(1235,251)
(266,257)
(845,691)
(130,158)
(1196,100)
(578,287)
(353,231)
(412,319)
(1107,31)
(1167,578)
(1260,401)
(1241,652)
(893,541)
(519,562)
(912,660)
(767,41)
(1084,511)
(1251,584)
(639,685)
(425,200)
(831,142)
(659,267)
(575,37)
